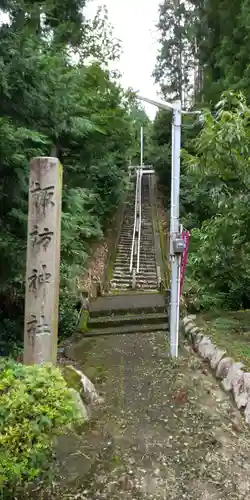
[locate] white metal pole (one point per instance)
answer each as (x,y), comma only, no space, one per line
(175,195)
(174,222)
(141,146)
(172,188)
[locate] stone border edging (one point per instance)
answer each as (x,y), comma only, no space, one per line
(231,374)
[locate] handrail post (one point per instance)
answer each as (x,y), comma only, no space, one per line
(139,230)
(134,229)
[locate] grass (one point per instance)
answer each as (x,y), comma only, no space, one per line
(230,330)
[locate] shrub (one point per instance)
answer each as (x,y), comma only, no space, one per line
(35,405)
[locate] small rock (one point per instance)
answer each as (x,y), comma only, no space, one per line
(88,389)
(247,413)
(236,425)
(204,371)
(216,358)
(192,316)
(233,374)
(206,348)
(223,367)
(239,390)
(189,326)
(198,339)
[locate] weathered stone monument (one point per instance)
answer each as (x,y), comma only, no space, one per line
(43,261)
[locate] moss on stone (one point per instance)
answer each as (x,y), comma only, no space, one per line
(83,323)
(72,379)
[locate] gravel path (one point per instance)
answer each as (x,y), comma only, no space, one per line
(166,430)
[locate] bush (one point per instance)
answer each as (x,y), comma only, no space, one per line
(35,405)
(215,196)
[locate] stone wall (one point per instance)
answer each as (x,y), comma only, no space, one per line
(231,374)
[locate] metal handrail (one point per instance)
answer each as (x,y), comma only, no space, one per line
(139,229)
(135,217)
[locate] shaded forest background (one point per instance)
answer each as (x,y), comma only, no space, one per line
(204,61)
(58,96)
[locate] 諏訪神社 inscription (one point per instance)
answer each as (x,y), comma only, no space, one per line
(43,261)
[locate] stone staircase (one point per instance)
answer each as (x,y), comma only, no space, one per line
(137,312)
(146,279)
(124,310)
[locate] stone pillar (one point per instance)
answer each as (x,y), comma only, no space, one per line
(43,261)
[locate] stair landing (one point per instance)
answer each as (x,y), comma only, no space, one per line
(128,301)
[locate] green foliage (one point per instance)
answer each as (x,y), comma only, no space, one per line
(219,259)
(176,55)
(68,314)
(203,54)
(203,49)
(35,405)
(159,149)
(51,105)
(139,119)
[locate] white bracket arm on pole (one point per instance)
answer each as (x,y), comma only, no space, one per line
(168,105)
(158,104)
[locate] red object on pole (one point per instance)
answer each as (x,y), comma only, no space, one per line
(185,237)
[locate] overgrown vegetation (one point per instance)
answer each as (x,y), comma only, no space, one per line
(35,405)
(202,61)
(58,98)
(230,331)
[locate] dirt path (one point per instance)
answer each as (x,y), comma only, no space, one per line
(166,430)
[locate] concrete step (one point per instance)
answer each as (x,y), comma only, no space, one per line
(147,256)
(146,251)
(124,246)
(128,286)
(146,281)
(132,302)
(146,276)
(117,281)
(128,275)
(151,285)
(126,319)
(122,253)
(148,245)
(123,265)
(141,283)
(121,260)
(142,272)
(118,330)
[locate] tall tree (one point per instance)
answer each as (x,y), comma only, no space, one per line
(75,110)
(176,57)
